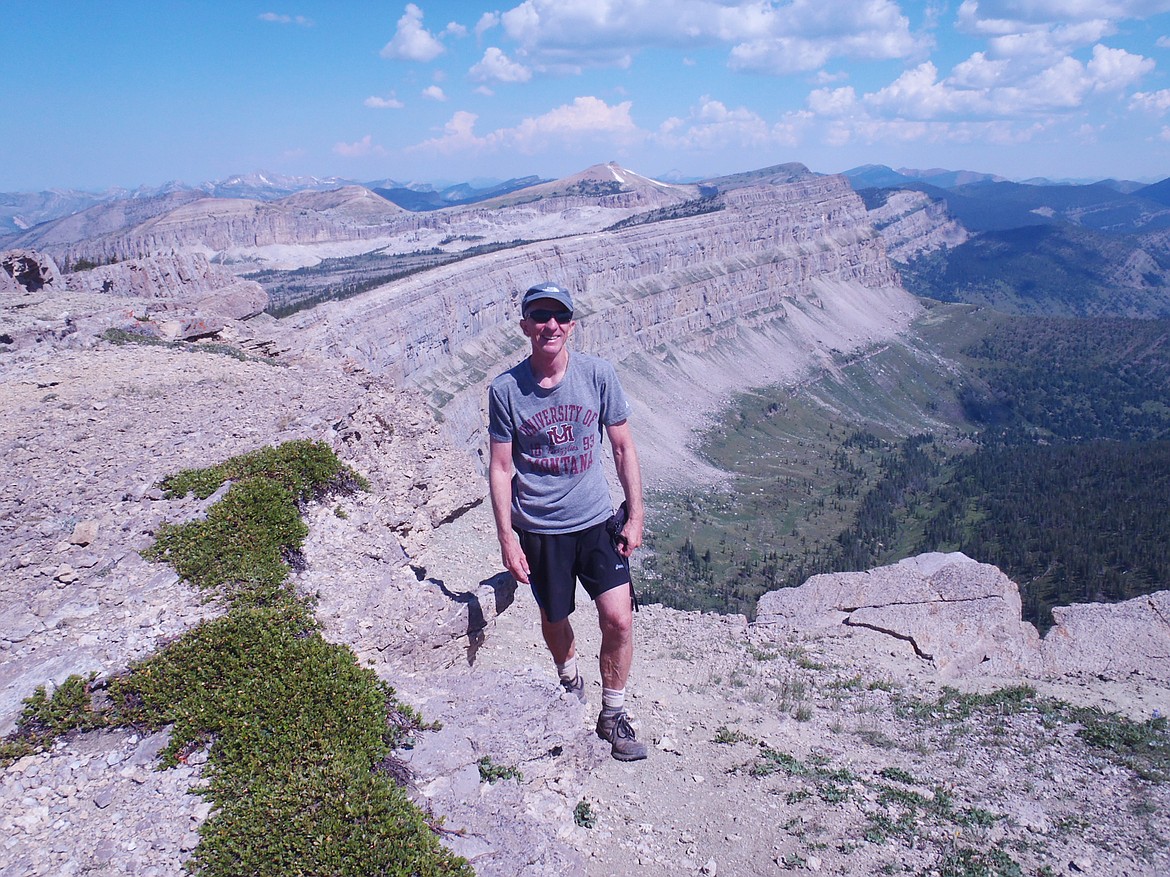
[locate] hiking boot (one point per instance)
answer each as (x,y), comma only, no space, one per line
(575,688)
(615,729)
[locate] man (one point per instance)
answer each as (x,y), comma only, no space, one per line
(546,419)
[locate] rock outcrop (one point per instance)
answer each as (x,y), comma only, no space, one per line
(28,271)
(963,618)
(912,223)
(1111,641)
(173,296)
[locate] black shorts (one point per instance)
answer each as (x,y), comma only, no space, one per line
(557,560)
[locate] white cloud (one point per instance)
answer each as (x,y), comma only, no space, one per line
(586,119)
(1115,69)
(713,125)
(918,94)
(1162,42)
(278,18)
(1157,102)
(1001,89)
(412,42)
(486,22)
(1013,16)
(384,103)
(454,29)
(359,149)
(797,35)
(458,136)
(979,72)
(434,92)
(498,67)
(832,102)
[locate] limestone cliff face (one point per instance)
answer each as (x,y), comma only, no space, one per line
(796,252)
(912,223)
(215,225)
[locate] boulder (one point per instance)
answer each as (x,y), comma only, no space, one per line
(960,615)
(1113,641)
(28,271)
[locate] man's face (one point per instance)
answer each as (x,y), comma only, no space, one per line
(544,328)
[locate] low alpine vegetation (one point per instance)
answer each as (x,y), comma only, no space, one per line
(300,736)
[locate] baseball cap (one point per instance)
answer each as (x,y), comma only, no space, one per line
(546,290)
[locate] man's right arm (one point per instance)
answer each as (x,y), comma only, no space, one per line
(500,485)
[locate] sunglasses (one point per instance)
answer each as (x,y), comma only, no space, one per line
(543,316)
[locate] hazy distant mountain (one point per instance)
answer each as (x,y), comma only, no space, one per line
(774,175)
(1126,187)
(1055,270)
(609,183)
(1159,192)
(265,186)
(20,211)
(990,206)
(880,176)
(418,198)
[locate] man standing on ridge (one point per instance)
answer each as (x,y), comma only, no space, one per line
(546,419)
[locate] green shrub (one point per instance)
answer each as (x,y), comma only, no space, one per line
(46,717)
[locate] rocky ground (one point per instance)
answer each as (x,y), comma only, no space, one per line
(770,752)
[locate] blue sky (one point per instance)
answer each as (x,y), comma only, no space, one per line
(127,93)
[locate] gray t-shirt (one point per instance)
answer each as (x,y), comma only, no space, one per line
(559,483)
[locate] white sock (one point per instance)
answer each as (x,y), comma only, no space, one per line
(613,700)
(568,670)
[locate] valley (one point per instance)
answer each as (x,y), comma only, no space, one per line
(1035,444)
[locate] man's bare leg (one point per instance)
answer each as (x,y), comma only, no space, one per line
(559,637)
(615,614)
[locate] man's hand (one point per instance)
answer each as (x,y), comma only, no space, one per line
(631,538)
(514,560)
(625,458)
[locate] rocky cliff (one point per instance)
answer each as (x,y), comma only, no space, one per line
(732,298)
(912,223)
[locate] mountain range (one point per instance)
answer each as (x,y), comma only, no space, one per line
(20,211)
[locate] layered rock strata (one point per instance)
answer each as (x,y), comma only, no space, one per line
(912,223)
(776,258)
(305,227)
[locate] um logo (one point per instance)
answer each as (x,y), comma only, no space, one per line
(560,435)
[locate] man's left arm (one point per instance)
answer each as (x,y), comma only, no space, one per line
(625,458)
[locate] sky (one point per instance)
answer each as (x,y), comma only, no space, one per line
(104,93)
